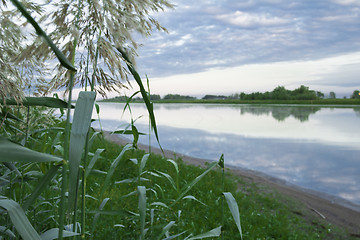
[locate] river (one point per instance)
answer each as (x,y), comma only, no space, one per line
(313,147)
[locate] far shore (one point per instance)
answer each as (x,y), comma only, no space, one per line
(336,211)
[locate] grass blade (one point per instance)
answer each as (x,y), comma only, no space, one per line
(142,210)
(143,92)
(190,185)
(40,101)
(62,59)
(212,233)
(143,162)
(54,232)
(44,182)
(93,161)
(234,209)
(80,127)
(166,229)
(19,219)
(12,152)
(113,167)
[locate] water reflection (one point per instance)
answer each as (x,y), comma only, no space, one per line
(280,113)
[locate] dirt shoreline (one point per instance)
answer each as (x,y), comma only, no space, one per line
(334,211)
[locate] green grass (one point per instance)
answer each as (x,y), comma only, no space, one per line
(264,214)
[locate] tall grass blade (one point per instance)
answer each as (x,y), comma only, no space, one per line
(190,185)
(12,152)
(143,92)
(6,231)
(19,219)
(80,127)
(42,185)
(143,162)
(212,233)
(54,232)
(142,210)
(93,161)
(40,101)
(62,59)
(97,214)
(113,167)
(234,209)
(166,229)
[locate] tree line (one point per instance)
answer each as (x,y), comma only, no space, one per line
(279,93)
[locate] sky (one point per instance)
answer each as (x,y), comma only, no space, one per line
(233,46)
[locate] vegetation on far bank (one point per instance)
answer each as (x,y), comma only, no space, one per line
(280,95)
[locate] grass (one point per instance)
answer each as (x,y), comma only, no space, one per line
(264,214)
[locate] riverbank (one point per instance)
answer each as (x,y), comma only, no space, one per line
(333,211)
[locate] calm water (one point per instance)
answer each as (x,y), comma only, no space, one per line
(314,147)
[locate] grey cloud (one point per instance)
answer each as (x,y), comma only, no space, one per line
(225,33)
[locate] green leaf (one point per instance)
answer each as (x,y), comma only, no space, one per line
(79,130)
(97,107)
(20,221)
(166,229)
(12,152)
(234,209)
(143,92)
(190,185)
(62,59)
(168,177)
(93,161)
(42,185)
(40,101)
(142,210)
(212,233)
(221,161)
(54,233)
(143,162)
(113,167)
(127,132)
(97,215)
(175,165)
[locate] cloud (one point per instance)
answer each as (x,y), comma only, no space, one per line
(214,34)
(244,19)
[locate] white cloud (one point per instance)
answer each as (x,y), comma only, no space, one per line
(347,2)
(244,19)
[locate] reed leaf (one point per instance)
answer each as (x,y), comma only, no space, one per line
(12,152)
(143,92)
(93,161)
(19,220)
(54,232)
(212,233)
(142,210)
(97,214)
(190,185)
(6,231)
(40,101)
(143,162)
(234,209)
(42,185)
(113,167)
(80,127)
(61,57)
(166,229)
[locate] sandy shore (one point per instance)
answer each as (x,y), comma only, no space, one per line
(335,211)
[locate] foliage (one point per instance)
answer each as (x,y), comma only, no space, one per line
(356,94)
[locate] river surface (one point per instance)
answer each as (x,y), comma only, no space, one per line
(313,147)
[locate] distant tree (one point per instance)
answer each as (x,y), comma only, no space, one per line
(356,94)
(320,94)
(280,93)
(155,97)
(332,95)
(214,97)
(177,97)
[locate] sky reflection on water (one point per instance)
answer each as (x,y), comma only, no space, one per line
(315,148)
